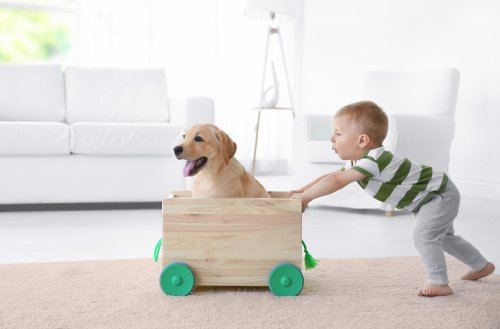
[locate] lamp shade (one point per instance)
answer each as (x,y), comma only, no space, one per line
(261,9)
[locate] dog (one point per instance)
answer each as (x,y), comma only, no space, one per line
(209,154)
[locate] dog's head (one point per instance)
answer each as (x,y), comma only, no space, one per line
(204,145)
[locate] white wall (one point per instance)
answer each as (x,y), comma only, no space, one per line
(340,40)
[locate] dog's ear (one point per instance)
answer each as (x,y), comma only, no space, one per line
(227,146)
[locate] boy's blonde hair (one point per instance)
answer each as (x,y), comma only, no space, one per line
(371,118)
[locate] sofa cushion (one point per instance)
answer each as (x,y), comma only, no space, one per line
(34,138)
(31,93)
(116,95)
(320,152)
(98,138)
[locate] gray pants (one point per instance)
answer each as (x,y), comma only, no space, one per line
(434,234)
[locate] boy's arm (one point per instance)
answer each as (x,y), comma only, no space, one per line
(305,187)
(328,184)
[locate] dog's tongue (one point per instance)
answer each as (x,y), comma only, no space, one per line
(188,168)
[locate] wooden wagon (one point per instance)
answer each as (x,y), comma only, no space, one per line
(231,242)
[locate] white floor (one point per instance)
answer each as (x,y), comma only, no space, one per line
(44,236)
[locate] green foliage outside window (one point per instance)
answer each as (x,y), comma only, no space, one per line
(34,35)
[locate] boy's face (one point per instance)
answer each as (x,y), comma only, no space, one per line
(346,139)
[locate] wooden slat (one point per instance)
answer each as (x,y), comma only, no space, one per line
(188,194)
(180,194)
(258,207)
(280,194)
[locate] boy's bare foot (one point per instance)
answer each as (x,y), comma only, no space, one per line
(433,290)
(487,270)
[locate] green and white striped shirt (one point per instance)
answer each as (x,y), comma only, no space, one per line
(396,180)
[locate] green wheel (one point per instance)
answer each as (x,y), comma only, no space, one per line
(177,279)
(286,280)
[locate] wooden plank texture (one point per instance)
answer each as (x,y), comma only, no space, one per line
(232,242)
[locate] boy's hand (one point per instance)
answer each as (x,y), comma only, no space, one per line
(300,196)
(294,192)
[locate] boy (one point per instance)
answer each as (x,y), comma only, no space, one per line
(359,130)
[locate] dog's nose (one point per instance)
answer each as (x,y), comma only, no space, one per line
(178,150)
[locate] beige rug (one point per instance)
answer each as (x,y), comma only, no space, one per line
(350,293)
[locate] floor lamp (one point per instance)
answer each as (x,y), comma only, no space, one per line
(271,10)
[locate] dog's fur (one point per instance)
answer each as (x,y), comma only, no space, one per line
(209,154)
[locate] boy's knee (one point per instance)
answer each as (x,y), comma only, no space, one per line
(421,239)
(426,239)
(418,242)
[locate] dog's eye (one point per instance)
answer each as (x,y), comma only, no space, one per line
(198,139)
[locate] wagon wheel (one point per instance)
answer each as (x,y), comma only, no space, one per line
(177,279)
(286,280)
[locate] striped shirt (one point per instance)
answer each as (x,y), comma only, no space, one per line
(396,180)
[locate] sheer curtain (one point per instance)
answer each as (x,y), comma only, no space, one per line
(176,35)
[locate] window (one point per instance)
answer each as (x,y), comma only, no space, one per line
(36,31)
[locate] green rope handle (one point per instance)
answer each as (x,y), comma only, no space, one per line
(309,260)
(157,249)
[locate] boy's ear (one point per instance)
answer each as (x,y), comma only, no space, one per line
(363,140)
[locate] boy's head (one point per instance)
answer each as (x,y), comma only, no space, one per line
(369,118)
(359,127)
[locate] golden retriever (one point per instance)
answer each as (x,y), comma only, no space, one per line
(209,154)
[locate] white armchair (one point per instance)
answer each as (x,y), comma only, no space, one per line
(421,108)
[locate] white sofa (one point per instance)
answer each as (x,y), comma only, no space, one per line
(90,135)
(421,109)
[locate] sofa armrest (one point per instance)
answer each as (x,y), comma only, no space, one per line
(192,110)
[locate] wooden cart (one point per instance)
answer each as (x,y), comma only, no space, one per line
(231,242)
